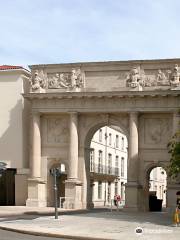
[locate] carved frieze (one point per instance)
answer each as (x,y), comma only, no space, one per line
(69,81)
(57,130)
(138,78)
(58,81)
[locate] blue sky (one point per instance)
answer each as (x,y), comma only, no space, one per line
(57,31)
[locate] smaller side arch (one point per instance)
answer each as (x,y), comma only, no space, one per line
(159,193)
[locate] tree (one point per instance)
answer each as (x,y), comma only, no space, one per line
(174,149)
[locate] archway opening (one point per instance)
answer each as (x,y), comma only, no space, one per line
(157,189)
(60,182)
(108,152)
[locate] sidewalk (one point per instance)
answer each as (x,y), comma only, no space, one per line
(94,224)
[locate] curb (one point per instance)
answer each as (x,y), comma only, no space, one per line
(55,235)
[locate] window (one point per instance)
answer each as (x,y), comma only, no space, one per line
(116,188)
(109,191)
(110,139)
(100,162)
(92,160)
(117,141)
(117,165)
(122,167)
(122,144)
(122,190)
(117,161)
(99,190)
(109,163)
(100,135)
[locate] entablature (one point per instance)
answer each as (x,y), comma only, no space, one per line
(152,101)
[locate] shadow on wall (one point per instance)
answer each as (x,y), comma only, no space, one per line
(12,140)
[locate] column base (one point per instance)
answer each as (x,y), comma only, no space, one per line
(73,193)
(133,197)
(172,189)
(36,193)
(90,205)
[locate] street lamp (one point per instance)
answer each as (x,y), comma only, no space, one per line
(2,168)
(56,172)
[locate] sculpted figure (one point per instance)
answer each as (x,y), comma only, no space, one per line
(53,82)
(58,81)
(73,78)
(38,82)
(175,77)
(62,81)
(76,78)
(161,78)
(134,79)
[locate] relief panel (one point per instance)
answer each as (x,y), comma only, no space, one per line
(156,132)
(57,130)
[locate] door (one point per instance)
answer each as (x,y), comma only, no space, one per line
(7,187)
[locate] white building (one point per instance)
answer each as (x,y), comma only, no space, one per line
(108,165)
(14,127)
(158,183)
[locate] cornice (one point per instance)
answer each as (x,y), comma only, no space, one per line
(117,94)
(105,63)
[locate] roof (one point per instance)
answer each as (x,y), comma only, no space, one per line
(9,67)
(5,68)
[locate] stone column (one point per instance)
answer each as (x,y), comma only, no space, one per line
(132,187)
(36,185)
(172,186)
(73,146)
(36,146)
(73,186)
(133,148)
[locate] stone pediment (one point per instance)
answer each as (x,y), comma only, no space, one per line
(145,75)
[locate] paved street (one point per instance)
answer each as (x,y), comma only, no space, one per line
(7,235)
(99,224)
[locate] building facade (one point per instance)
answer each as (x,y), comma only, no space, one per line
(14,132)
(108,165)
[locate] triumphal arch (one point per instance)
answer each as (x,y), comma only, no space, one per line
(69,102)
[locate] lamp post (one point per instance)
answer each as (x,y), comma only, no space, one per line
(56,172)
(2,168)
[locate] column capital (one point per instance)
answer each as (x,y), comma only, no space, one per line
(176,113)
(35,112)
(134,113)
(72,112)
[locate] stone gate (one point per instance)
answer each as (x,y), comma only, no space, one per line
(70,102)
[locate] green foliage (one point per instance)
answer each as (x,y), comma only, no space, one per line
(174,149)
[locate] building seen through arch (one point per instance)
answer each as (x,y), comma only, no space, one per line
(158,184)
(108,165)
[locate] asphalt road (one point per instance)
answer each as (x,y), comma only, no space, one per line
(7,235)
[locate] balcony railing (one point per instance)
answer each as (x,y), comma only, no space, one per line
(103,169)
